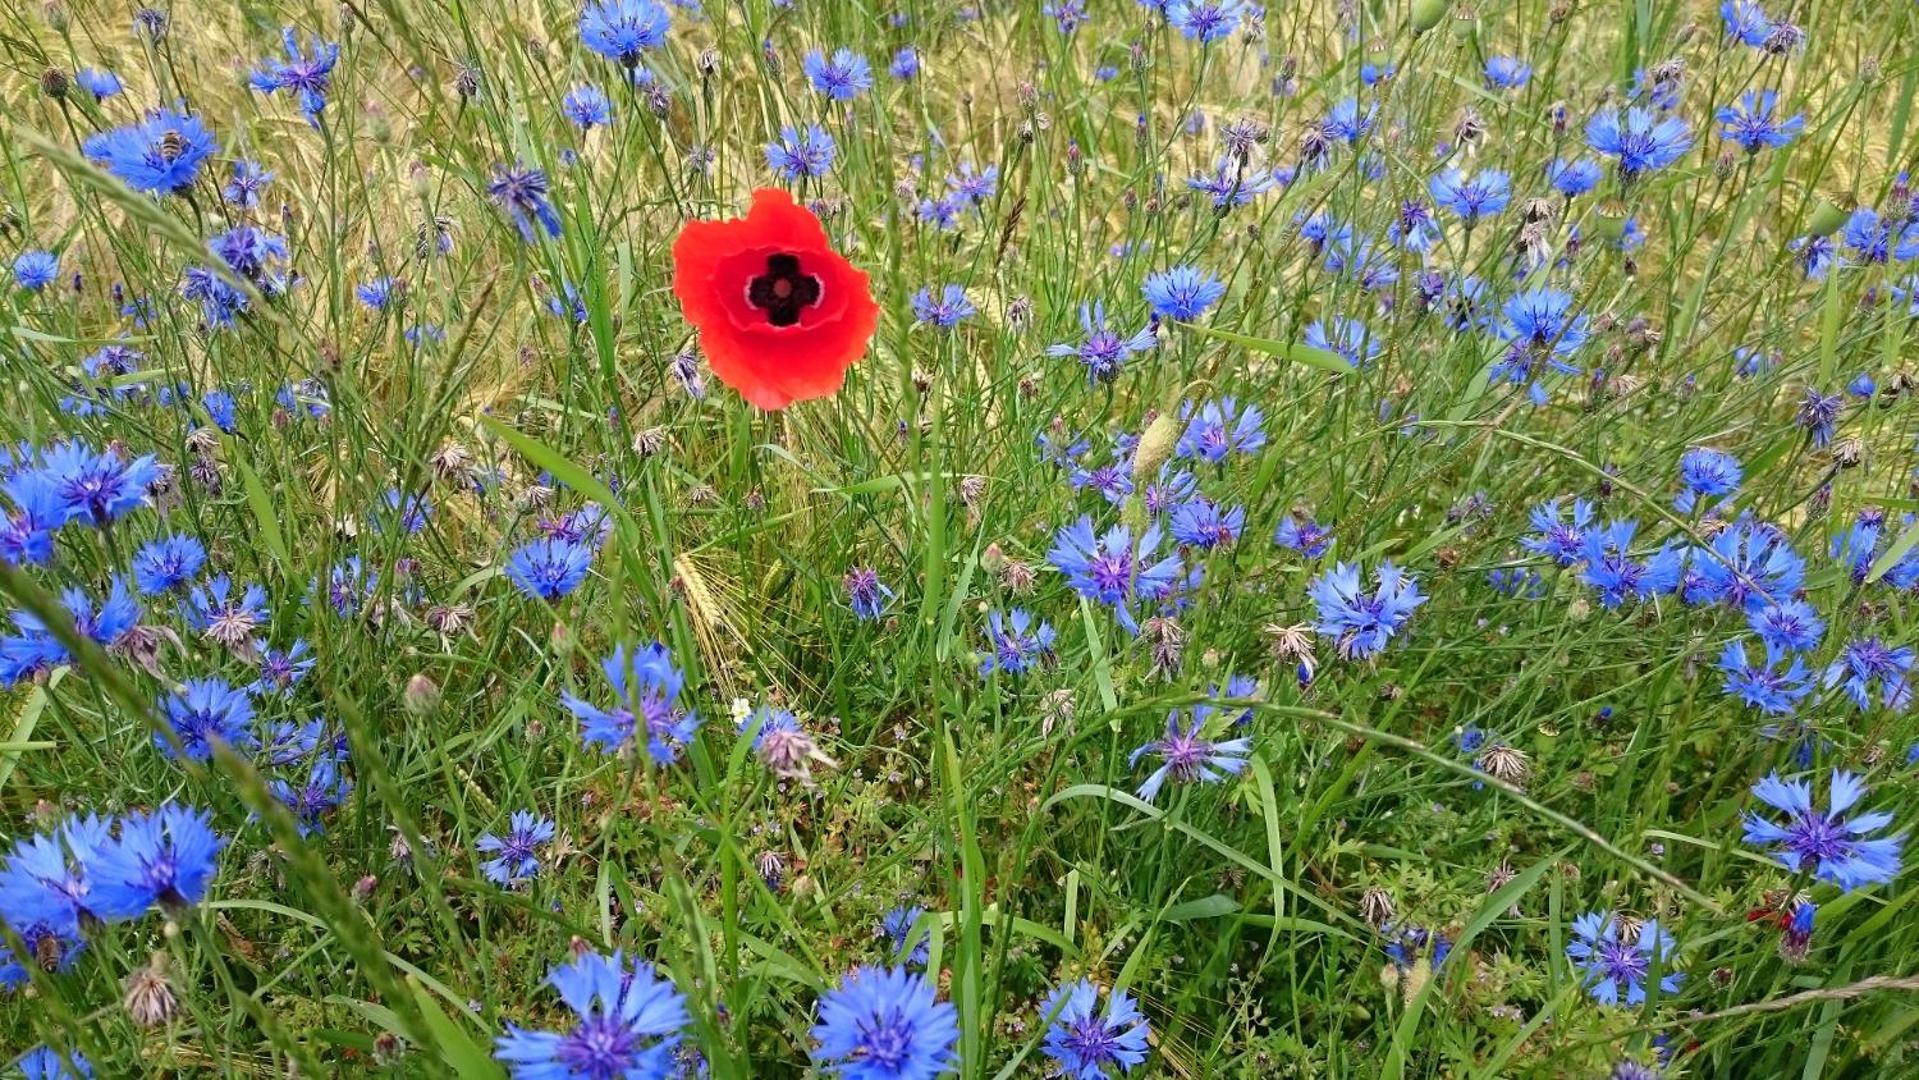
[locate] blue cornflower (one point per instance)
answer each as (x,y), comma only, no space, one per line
(1112,569)
(1745,22)
(1560,539)
(1089,1043)
(1103,350)
(1616,576)
(38,510)
(897,928)
(1219,428)
(206,711)
(801,153)
(1507,72)
(1573,177)
(1360,623)
(281,672)
(1188,756)
(1304,535)
(1231,183)
(322,789)
(223,618)
(1789,626)
(843,76)
(1205,524)
(1773,692)
(865,593)
(1522,582)
(905,65)
(166,858)
(1471,197)
(161,154)
(941,213)
(885,1024)
(1874,239)
(1406,944)
(1829,846)
(1184,292)
(249,180)
(1346,338)
(589,525)
(289,743)
(1816,255)
(944,310)
(1543,322)
(1706,473)
(1819,414)
(305,74)
(521,190)
(377,293)
(1867,661)
(623,29)
(1015,643)
(167,563)
(1862,385)
(95,489)
(1639,140)
(350,584)
(974,186)
(1747,565)
(1753,126)
(630,1021)
(1415,228)
(1614,966)
(548,569)
(35,270)
(46,1063)
(35,649)
(646,690)
(588,107)
(101,84)
(410,509)
(515,857)
(1204,21)
(1347,122)
(45,884)
(1068,15)
(1236,688)
(1169,489)
(254,254)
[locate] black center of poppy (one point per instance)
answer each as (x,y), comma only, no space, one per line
(783,290)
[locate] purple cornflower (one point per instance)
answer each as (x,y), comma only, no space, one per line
(865,593)
(1823,843)
(1187,756)
(944,310)
(801,153)
(223,617)
(1818,414)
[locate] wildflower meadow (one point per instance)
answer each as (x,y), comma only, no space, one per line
(1085,539)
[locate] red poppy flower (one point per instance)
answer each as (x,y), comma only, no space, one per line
(781,314)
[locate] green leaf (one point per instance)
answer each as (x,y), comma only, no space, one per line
(1893,554)
(1206,907)
(1286,350)
(456,1047)
(262,506)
